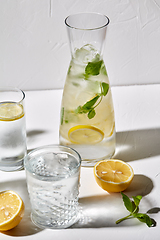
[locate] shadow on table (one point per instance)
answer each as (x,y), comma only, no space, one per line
(95,211)
(25,227)
(34,133)
(138,144)
(104,210)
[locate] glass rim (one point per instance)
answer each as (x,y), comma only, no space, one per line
(49,147)
(87,29)
(15,89)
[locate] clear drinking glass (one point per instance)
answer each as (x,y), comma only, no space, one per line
(12,129)
(87,113)
(53,174)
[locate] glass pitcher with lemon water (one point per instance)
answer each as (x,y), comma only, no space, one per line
(87,112)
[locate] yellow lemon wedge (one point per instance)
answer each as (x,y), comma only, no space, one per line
(11,111)
(11,210)
(113,175)
(85,134)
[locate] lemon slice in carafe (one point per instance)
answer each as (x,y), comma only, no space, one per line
(85,134)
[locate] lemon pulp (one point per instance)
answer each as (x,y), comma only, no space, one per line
(85,134)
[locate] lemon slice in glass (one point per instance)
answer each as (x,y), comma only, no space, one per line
(10,111)
(85,134)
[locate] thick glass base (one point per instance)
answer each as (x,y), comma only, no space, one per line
(54,224)
(11,165)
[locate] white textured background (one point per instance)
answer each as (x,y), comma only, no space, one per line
(34,51)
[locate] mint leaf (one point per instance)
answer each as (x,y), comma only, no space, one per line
(69,69)
(128,204)
(93,68)
(91,113)
(62,115)
(88,107)
(79,110)
(137,200)
(103,70)
(132,207)
(105,87)
(89,104)
(144,218)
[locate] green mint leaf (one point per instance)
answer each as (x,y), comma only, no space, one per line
(135,209)
(103,70)
(145,219)
(132,207)
(88,108)
(79,110)
(127,202)
(91,113)
(105,87)
(93,68)
(69,69)
(137,200)
(88,105)
(62,115)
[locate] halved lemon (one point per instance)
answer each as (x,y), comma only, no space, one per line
(11,111)
(113,175)
(11,210)
(85,134)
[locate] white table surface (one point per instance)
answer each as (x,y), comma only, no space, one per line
(137,113)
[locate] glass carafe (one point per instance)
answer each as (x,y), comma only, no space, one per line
(87,112)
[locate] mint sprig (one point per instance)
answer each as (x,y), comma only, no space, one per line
(133,208)
(89,106)
(93,68)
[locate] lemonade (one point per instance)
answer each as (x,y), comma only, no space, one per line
(87,113)
(13,136)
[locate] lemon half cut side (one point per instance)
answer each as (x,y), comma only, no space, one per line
(10,111)
(85,134)
(11,210)
(113,175)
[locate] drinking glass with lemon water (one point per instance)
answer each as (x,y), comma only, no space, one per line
(12,129)
(87,112)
